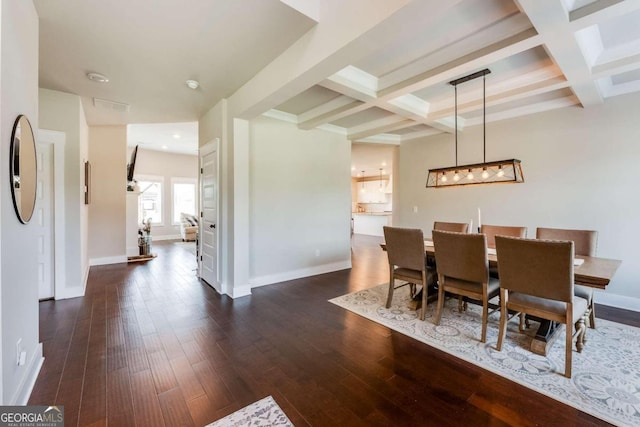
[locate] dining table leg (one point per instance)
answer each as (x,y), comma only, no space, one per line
(547,334)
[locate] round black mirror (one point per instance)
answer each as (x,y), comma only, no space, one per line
(23,168)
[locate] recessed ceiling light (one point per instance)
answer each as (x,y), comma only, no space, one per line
(97,77)
(164,147)
(384,163)
(176,135)
(193,84)
(353,168)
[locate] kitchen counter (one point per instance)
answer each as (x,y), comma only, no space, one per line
(370,223)
(371,213)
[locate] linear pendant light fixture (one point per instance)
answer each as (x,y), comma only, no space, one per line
(496,172)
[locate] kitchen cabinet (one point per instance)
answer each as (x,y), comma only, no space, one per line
(370,192)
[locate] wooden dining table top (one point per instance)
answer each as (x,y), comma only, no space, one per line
(594,272)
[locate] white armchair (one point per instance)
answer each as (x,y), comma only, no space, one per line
(188,227)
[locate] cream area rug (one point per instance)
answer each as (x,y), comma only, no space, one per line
(606,375)
(262,413)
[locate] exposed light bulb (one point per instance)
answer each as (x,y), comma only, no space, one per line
(456,177)
(470,175)
(485,174)
(444,178)
(500,172)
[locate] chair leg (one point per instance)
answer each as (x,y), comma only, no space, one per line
(523,324)
(503,318)
(569,339)
(485,318)
(460,305)
(391,285)
(581,330)
(592,315)
(440,299)
(425,287)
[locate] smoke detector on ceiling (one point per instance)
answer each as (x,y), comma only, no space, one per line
(193,84)
(97,77)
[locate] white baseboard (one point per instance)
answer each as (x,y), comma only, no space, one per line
(618,301)
(240,291)
(297,274)
(108,260)
(21,396)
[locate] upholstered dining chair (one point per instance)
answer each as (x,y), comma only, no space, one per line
(463,269)
(536,278)
(458,227)
(491,231)
(406,254)
(585,243)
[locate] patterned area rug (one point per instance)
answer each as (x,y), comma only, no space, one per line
(262,413)
(606,375)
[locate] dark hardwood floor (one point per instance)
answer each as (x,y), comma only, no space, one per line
(150,345)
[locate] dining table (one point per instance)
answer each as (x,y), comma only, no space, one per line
(594,272)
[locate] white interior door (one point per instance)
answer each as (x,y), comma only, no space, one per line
(44,220)
(209,216)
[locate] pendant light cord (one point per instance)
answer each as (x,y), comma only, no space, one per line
(484,118)
(455,115)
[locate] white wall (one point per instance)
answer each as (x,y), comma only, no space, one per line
(580,167)
(167,166)
(63,112)
(107,210)
(300,201)
(18,266)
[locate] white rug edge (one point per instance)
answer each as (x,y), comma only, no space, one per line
(261,402)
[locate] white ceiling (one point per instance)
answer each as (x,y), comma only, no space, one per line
(171,137)
(369,159)
(543,55)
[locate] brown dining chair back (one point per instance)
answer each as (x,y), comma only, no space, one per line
(585,244)
(536,278)
(463,269)
(458,227)
(406,254)
(491,231)
(585,241)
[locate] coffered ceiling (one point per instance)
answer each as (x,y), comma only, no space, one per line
(543,55)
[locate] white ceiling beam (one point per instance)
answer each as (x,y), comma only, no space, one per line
(377,128)
(537,107)
(385,138)
(518,92)
(348,30)
(420,134)
(466,64)
(482,58)
(327,112)
(600,11)
(550,19)
(618,66)
(281,115)
(309,8)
